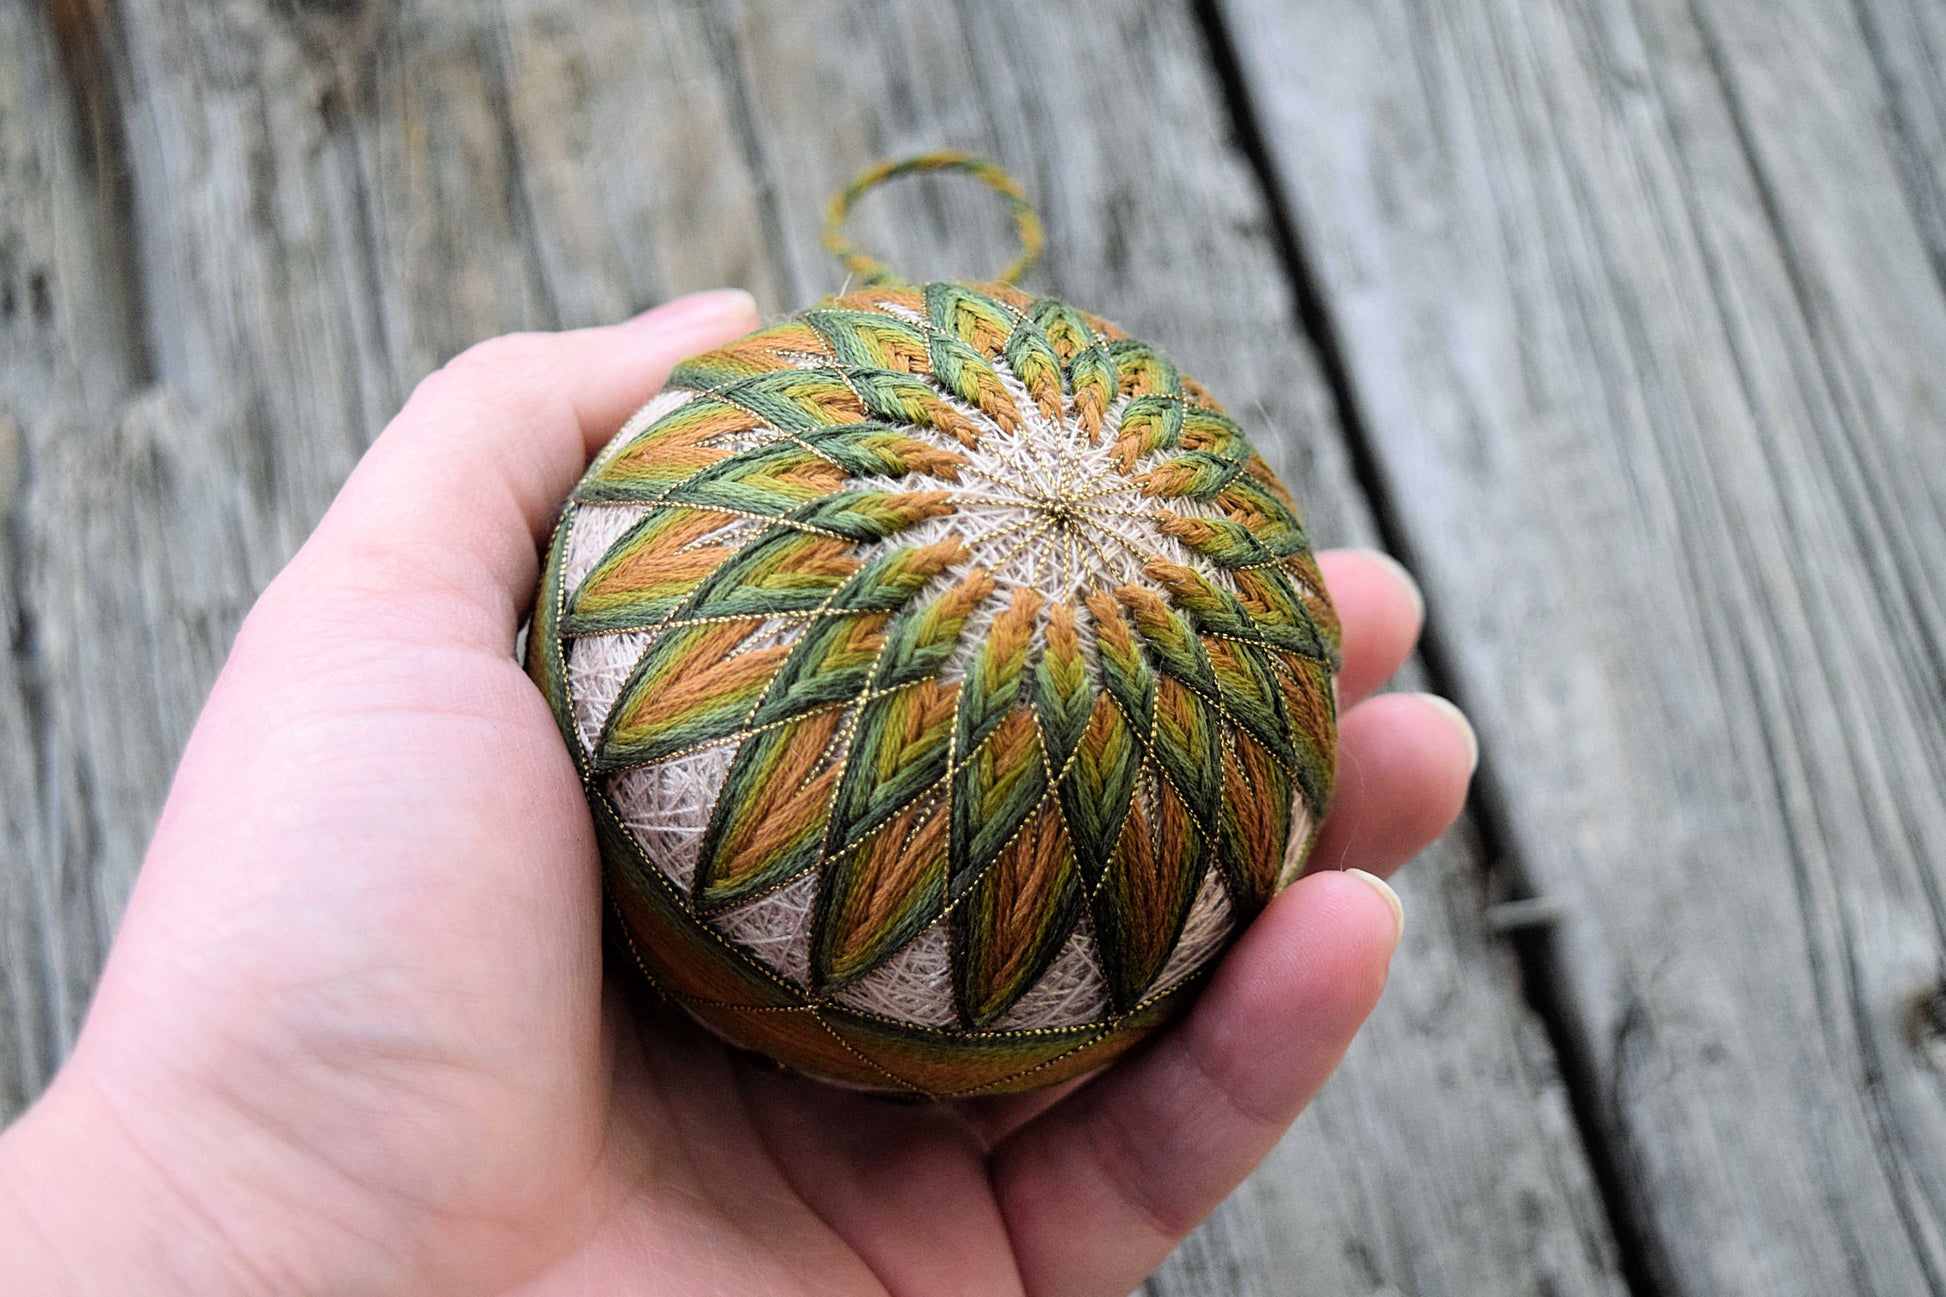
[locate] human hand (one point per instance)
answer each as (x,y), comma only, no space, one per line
(353,1035)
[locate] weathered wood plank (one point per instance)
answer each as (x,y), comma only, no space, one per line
(1441,1159)
(332,199)
(1637,299)
(1178,247)
(65,361)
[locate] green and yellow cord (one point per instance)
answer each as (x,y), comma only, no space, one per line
(870,270)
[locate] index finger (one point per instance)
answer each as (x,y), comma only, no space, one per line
(1381,610)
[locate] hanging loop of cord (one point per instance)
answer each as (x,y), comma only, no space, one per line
(871,270)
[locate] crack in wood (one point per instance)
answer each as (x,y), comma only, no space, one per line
(1535,944)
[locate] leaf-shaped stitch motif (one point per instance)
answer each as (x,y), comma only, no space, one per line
(871,515)
(879,894)
(1091,370)
(1217,433)
(1188,737)
(1196,475)
(1310,700)
(1212,608)
(797,400)
(693,686)
(1125,674)
(648,572)
(834,658)
(1255,824)
(1063,695)
(879,450)
(782,571)
(1301,570)
(1097,784)
(871,340)
(1063,327)
(993,677)
(1225,543)
(1152,878)
(969,316)
(770,480)
(1170,640)
(918,644)
(902,398)
(1011,925)
(768,825)
(1149,423)
(966,374)
(1091,377)
(1247,684)
(781,346)
(1277,615)
(900,751)
(995,788)
(672,449)
(1246,501)
(1034,362)
(1144,371)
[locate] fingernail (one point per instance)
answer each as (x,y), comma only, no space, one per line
(1405,580)
(696,309)
(1384,889)
(1460,723)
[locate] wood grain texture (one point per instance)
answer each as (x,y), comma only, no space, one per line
(1642,300)
(65,364)
(324,202)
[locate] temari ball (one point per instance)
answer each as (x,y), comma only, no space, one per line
(950,681)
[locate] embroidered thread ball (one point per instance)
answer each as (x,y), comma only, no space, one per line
(950,680)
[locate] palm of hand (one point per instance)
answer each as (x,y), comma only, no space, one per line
(356,1012)
(446,1049)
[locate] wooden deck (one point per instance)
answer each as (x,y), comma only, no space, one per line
(1622,321)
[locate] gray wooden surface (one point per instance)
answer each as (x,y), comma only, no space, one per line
(1621,320)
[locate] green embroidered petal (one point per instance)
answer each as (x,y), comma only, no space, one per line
(834,658)
(868,340)
(770,480)
(899,752)
(1064,697)
(1144,898)
(1010,925)
(768,824)
(1246,501)
(968,316)
(692,687)
(1034,361)
(921,640)
(878,895)
(880,450)
(1187,741)
(995,787)
(673,449)
(1143,370)
(796,400)
(1278,616)
(1255,824)
(647,573)
(1097,784)
(1125,673)
(1195,475)
(1224,543)
(780,572)
(1169,638)
(1149,424)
